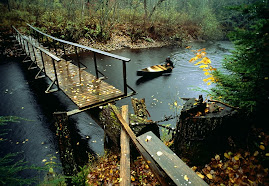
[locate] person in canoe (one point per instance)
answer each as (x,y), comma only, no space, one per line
(168,62)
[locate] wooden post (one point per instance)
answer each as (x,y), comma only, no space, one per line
(153,166)
(140,108)
(125,171)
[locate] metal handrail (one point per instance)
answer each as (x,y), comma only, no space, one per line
(39,48)
(82,46)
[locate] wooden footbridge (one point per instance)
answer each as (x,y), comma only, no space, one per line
(84,89)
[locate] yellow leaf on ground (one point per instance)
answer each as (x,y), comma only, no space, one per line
(132,178)
(226,155)
(256,153)
(217,157)
(236,158)
(209,176)
(200,175)
(267,154)
(194,168)
(262,147)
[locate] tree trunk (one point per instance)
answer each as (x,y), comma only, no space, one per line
(112,127)
(203,129)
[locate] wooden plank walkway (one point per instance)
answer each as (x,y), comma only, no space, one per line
(79,85)
(173,166)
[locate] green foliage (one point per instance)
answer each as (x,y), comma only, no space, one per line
(81,178)
(172,20)
(245,82)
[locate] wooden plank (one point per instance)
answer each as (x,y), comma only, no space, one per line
(173,166)
(125,170)
(155,169)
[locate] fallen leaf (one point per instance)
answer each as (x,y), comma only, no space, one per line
(262,147)
(217,157)
(186,178)
(209,176)
(236,158)
(194,168)
(200,175)
(148,138)
(256,153)
(226,155)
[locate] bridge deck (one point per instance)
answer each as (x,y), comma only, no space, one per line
(77,84)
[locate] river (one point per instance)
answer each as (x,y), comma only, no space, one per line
(23,96)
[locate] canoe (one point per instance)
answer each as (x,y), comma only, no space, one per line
(154,70)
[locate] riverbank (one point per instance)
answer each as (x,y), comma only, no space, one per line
(119,42)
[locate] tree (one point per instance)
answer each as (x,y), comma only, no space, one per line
(245,83)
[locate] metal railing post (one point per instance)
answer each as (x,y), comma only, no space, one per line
(95,65)
(124,77)
(79,73)
(55,73)
(43,63)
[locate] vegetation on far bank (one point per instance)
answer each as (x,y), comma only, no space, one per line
(125,22)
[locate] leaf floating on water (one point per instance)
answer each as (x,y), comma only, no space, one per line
(159,153)
(186,178)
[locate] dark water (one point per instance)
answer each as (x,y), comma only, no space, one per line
(23,96)
(161,92)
